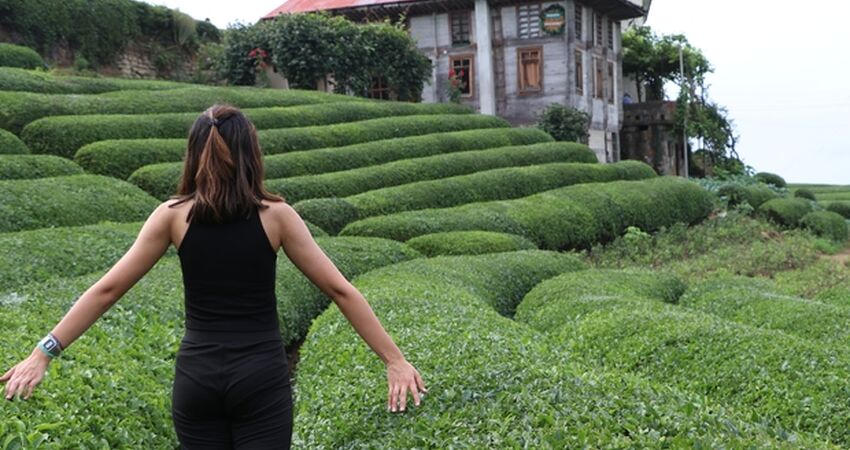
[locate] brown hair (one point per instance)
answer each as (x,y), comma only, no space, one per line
(223,168)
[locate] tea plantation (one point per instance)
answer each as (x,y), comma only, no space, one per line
(516,273)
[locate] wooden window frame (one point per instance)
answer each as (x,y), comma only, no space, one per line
(471,58)
(610,34)
(468,14)
(381,89)
(598,32)
(519,51)
(598,79)
(578,21)
(612,86)
(540,33)
(579,72)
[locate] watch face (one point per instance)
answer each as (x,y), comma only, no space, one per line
(50,345)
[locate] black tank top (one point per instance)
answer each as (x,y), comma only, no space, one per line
(229,276)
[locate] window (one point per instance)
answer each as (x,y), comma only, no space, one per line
(579,72)
(598,32)
(611,91)
(379,88)
(530,69)
(462,66)
(528,20)
(579,20)
(611,34)
(460,23)
(598,85)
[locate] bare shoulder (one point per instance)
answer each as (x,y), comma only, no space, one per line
(280,210)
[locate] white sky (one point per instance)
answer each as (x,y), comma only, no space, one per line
(781,68)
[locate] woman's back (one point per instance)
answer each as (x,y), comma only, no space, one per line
(229,276)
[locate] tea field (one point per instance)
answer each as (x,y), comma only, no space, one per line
(548,300)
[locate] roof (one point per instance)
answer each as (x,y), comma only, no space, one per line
(616,9)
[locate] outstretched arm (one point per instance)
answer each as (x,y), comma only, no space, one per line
(152,242)
(302,250)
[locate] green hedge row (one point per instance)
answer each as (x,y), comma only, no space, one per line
(492,382)
(11,144)
(162,179)
(840,207)
(362,179)
(757,302)
(828,224)
(496,184)
(785,382)
(755,195)
(300,301)
(70,200)
(89,389)
(21,108)
(770,178)
(786,212)
(14,79)
(12,55)
(64,135)
(568,217)
(14,167)
(469,243)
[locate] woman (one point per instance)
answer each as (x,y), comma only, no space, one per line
(231,385)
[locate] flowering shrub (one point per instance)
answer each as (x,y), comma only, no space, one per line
(456,85)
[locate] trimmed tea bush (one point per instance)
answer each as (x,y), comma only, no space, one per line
(437,167)
(755,195)
(21,108)
(757,302)
(805,193)
(770,178)
(161,179)
(786,212)
(70,200)
(481,368)
(36,166)
(330,214)
(840,207)
(789,383)
(564,218)
(12,55)
(300,301)
(64,135)
(469,243)
(495,184)
(37,255)
(828,224)
(11,144)
(14,79)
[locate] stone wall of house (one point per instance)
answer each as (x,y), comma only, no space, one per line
(648,136)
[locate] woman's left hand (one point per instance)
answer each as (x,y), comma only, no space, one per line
(401,377)
(24,376)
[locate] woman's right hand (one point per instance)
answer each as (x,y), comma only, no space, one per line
(402,376)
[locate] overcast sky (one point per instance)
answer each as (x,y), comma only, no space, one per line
(781,68)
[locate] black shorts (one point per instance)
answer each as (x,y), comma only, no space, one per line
(232,391)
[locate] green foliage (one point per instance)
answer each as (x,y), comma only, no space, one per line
(468,243)
(754,195)
(103,145)
(840,207)
(305,47)
(437,167)
(805,193)
(770,178)
(18,56)
(825,281)
(786,212)
(789,383)
(161,179)
(330,214)
(563,218)
(477,383)
(36,166)
(759,303)
(12,79)
(21,108)
(11,144)
(827,224)
(70,200)
(37,255)
(300,301)
(495,184)
(564,124)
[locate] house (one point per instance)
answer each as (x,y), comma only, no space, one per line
(514,57)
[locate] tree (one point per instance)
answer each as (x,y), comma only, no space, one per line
(564,123)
